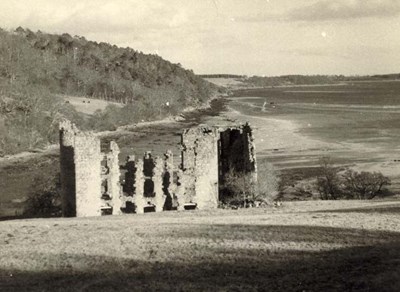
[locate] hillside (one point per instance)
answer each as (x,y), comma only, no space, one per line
(74,65)
(35,68)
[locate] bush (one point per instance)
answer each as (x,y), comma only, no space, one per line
(43,204)
(46,203)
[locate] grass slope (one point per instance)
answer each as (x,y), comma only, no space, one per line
(303,246)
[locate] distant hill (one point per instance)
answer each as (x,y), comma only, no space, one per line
(221,76)
(241,81)
(36,67)
(382,77)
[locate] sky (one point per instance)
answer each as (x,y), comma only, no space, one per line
(250,37)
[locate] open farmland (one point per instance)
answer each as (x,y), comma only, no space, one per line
(302,246)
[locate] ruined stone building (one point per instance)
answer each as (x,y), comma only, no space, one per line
(93,183)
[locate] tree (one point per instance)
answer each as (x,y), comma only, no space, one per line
(364,185)
(241,188)
(328,182)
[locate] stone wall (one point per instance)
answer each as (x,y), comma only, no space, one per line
(200,166)
(144,181)
(91,180)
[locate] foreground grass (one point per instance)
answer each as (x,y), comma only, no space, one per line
(304,246)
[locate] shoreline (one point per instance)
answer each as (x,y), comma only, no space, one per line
(200,111)
(239,85)
(273,133)
(285,144)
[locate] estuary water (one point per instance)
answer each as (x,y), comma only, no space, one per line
(357,124)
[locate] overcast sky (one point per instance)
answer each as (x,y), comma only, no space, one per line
(253,37)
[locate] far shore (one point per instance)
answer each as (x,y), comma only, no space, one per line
(235,84)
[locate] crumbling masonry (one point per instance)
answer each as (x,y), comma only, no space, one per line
(93,183)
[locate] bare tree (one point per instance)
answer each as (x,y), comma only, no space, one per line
(328,182)
(243,189)
(240,187)
(268,182)
(364,185)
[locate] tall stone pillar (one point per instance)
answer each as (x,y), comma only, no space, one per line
(114,184)
(158,171)
(138,197)
(88,175)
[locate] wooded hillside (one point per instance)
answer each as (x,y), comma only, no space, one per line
(36,67)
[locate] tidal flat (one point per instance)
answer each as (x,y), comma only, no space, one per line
(357,124)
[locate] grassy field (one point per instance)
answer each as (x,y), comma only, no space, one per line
(302,246)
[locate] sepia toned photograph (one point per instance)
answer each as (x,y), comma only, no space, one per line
(200,145)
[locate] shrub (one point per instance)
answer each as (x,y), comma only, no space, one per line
(45,203)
